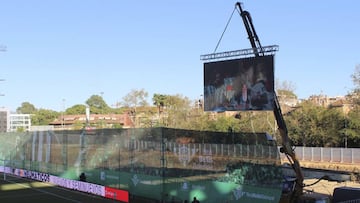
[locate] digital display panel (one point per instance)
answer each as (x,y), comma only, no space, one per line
(239,84)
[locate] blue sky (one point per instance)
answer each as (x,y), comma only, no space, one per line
(66,49)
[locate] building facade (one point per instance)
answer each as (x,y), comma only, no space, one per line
(4,120)
(95,121)
(19,122)
(14,122)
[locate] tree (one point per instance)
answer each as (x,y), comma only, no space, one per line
(330,128)
(76,109)
(285,89)
(352,128)
(197,121)
(223,124)
(177,108)
(20,129)
(356,77)
(38,117)
(302,124)
(26,108)
(44,117)
(135,98)
(97,105)
(315,126)
(354,95)
(159,101)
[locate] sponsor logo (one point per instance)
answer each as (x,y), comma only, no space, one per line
(43,177)
(184,155)
(135,180)
(185,186)
(239,193)
(102,175)
(78,185)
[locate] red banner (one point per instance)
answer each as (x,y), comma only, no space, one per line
(121,195)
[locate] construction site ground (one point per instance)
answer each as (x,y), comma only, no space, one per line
(327,187)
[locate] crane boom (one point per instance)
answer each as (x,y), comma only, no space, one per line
(286,148)
(250,29)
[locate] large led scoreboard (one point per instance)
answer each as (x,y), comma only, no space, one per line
(239,84)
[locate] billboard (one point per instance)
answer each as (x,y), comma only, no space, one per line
(239,84)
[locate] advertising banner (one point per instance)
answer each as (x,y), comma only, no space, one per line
(78,185)
(117,194)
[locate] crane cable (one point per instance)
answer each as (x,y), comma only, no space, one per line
(227,24)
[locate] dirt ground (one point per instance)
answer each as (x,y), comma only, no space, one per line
(327,187)
(335,166)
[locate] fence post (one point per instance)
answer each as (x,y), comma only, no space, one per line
(321,154)
(303,153)
(331,154)
(269,148)
(247,151)
(241,151)
(234,148)
(312,153)
(341,155)
(255,154)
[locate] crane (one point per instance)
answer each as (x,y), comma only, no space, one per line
(286,147)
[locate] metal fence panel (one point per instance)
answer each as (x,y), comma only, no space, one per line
(323,154)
